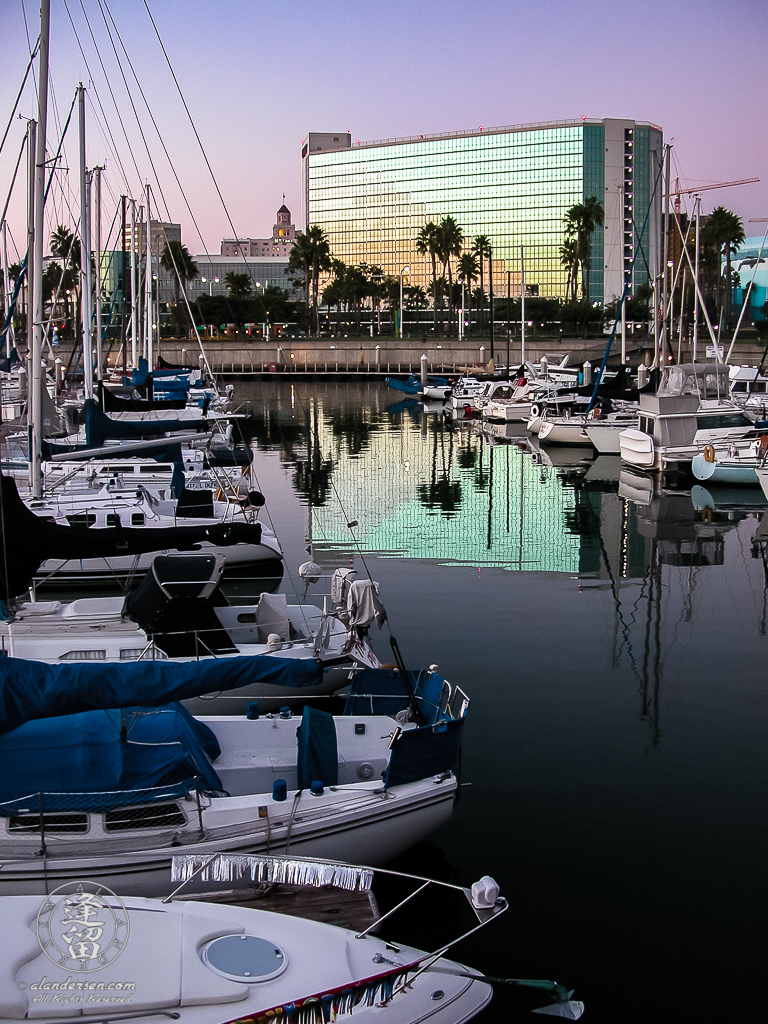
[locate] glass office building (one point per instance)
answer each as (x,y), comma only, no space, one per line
(513,184)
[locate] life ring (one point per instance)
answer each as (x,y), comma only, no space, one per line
(709,453)
(535,410)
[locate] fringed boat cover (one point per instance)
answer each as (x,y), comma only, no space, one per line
(289,871)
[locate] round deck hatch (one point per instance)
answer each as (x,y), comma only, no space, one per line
(244,958)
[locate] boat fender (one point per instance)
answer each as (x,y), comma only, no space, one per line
(285,712)
(252,711)
(279,790)
(535,410)
(316,787)
(709,453)
(468,411)
(485,893)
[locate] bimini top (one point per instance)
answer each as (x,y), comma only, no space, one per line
(707,380)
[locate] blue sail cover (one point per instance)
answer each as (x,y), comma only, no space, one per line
(100,428)
(104,759)
(31,689)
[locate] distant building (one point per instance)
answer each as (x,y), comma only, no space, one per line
(160,234)
(284,235)
(513,184)
(264,272)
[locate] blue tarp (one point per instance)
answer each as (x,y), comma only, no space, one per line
(318,754)
(31,689)
(104,759)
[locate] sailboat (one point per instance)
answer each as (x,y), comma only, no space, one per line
(120,781)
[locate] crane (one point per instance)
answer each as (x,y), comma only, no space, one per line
(705,188)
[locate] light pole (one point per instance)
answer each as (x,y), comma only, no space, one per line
(404,270)
(210,284)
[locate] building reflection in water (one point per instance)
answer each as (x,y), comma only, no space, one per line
(418,486)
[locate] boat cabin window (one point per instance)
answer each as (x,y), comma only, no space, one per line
(150,654)
(137,518)
(82,519)
(113,519)
(30,823)
(646,425)
(731,419)
(151,816)
(83,656)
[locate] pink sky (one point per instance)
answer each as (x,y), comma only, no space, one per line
(257,76)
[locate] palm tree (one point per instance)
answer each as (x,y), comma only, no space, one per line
(449,242)
(177,260)
(238,285)
(725,230)
(426,242)
(467,271)
(482,248)
(309,257)
(580,221)
(569,258)
(67,246)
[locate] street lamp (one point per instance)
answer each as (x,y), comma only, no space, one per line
(404,270)
(210,284)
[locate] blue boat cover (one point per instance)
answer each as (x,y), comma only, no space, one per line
(104,759)
(318,754)
(31,689)
(100,428)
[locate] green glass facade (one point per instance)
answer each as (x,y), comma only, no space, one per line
(513,185)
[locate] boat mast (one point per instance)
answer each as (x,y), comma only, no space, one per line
(696,285)
(7,294)
(31,136)
(134,289)
(35,452)
(522,305)
(665,268)
(97,190)
(148,286)
(85,250)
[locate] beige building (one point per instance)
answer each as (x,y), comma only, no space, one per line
(160,234)
(284,235)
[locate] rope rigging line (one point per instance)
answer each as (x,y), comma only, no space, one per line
(91,79)
(197,136)
(18,97)
(114,101)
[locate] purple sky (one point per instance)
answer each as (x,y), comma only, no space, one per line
(257,76)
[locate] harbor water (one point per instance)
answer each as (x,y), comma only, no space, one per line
(612,638)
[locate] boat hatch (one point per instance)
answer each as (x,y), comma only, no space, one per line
(244,958)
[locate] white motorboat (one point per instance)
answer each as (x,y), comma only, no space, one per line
(605,433)
(690,411)
(112,796)
(465,390)
(498,390)
(89,952)
(749,390)
(735,465)
(567,429)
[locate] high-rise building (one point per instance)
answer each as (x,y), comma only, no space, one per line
(513,184)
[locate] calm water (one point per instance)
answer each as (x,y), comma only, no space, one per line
(612,641)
